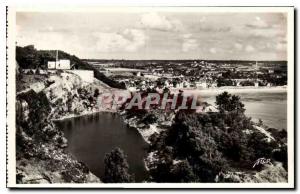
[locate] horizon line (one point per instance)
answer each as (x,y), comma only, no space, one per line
(152,59)
(181,60)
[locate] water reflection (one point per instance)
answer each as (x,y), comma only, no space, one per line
(90,137)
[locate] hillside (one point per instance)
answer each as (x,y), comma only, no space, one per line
(40,144)
(221,145)
(30,58)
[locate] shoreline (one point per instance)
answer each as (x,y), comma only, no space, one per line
(250,89)
(71,116)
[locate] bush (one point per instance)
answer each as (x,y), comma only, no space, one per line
(281,155)
(149,119)
(183,173)
(39,109)
(116,167)
(228,102)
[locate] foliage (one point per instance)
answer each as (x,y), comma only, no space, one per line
(96,93)
(161,172)
(212,143)
(116,167)
(228,102)
(39,109)
(247,83)
(225,82)
(27,57)
(183,172)
(281,155)
(150,118)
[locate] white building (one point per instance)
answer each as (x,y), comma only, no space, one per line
(271,70)
(59,64)
(201,84)
(51,64)
(63,64)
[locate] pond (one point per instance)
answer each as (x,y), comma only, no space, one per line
(90,137)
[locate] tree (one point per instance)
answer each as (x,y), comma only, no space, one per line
(96,93)
(262,147)
(160,170)
(228,102)
(150,118)
(225,82)
(183,173)
(116,167)
(27,57)
(260,123)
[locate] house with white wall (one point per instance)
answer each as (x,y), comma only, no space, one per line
(59,64)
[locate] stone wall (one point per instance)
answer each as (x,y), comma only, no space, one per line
(85,75)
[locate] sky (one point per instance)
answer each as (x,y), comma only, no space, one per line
(157,35)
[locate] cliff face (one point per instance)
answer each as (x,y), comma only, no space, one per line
(40,153)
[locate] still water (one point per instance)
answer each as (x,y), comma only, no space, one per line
(90,137)
(270,107)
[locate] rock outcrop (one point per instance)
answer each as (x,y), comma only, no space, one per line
(40,153)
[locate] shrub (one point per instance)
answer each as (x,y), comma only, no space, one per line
(116,167)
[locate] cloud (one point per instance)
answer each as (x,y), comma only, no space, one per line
(261,29)
(110,42)
(186,36)
(281,46)
(129,40)
(268,33)
(173,35)
(258,23)
(159,22)
(50,41)
(238,46)
(209,28)
(213,50)
(138,39)
(249,48)
(189,45)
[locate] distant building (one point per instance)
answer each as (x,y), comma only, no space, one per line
(51,64)
(201,84)
(271,71)
(214,85)
(60,64)
(63,64)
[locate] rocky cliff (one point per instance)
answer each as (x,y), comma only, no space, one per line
(40,153)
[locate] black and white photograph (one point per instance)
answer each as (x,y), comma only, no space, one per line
(150,97)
